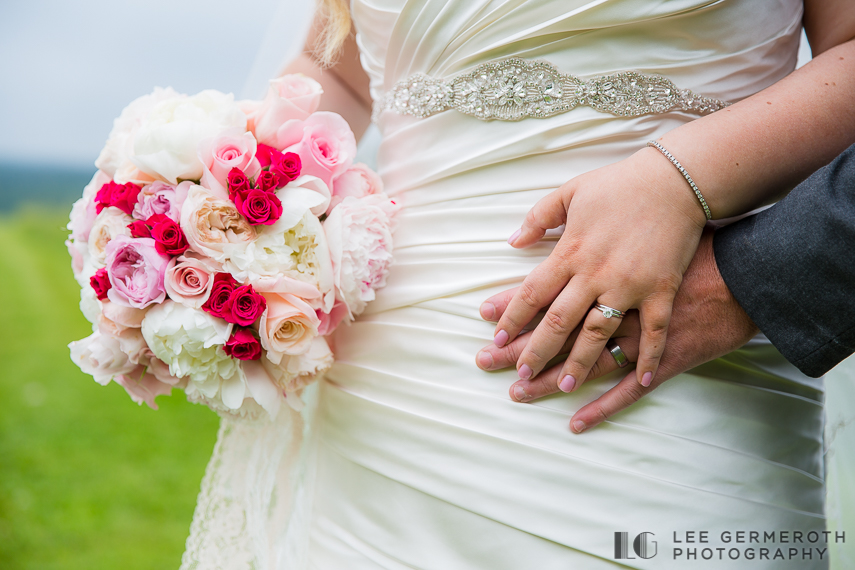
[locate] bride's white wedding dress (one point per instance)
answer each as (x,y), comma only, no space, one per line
(408,455)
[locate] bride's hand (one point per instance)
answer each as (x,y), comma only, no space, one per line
(631,230)
(707,323)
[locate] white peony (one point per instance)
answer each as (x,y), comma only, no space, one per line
(167,143)
(295,246)
(359,233)
(89,305)
(191,343)
(117,152)
(101,356)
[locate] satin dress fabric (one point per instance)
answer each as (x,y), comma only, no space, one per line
(423,461)
(418,459)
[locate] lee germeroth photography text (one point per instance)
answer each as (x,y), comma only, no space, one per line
(742,545)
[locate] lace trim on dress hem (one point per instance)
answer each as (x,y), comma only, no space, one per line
(515,89)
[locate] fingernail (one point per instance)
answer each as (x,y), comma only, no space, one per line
(519,394)
(488,310)
(567,383)
(501,339)
(524,372)
(647,379)
(514,236)
(579,426)
(485,360)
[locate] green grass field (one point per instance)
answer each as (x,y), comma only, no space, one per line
(88,479)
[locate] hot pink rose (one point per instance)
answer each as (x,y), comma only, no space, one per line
(136,271)
(167,234)
(100,282)
(356,181)
(161,198)
(223,153)
(245,306)
(281,167)
(259,207)
(219,299)
(243,345)
(121,196)
(289,97)
(324,142)
(238,183)
(189,280)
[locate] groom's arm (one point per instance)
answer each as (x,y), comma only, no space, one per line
(792,268)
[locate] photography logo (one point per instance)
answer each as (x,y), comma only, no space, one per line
(642,546)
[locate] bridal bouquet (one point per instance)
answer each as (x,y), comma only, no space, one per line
(221,241)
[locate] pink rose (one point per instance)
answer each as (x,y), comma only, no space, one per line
(167,235)
(331,320)
(288,326)
(142,386)
(356,181)
(100,283)
(245,306)
(121,196)
(289,97)
(243,345)
(84,211)
(188,280)
(219,299)
(223,153)
(259,207)
(161,198)
(101,356)
(324,141)
(136,271)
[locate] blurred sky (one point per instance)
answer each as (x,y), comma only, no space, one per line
(69,68)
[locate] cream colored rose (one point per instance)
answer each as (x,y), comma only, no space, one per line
(110,223)
(287,327)
(211,224)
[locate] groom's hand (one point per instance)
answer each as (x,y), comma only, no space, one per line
(707,323)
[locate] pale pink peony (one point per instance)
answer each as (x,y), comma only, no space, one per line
(136,272)
(83,213)
(161,198)
(357,181)
(100,356)
(324,141)
(143,386)
(289,97)
(219,155)
(210,224)
(359,235)
(189,279)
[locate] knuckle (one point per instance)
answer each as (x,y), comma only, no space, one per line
(556,322)
(597,333)
(528,295)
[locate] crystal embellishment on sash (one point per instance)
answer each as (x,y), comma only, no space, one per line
(515,89)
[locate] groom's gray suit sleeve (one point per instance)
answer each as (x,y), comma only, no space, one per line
(792,268)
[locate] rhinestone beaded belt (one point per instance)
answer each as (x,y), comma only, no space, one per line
(515,89)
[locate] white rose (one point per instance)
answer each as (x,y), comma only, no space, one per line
(120,145)
(110,223)
(359,233)
(166,144)
(190,342)
(101,356)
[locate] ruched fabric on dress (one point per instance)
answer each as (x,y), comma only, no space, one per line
(415,458)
